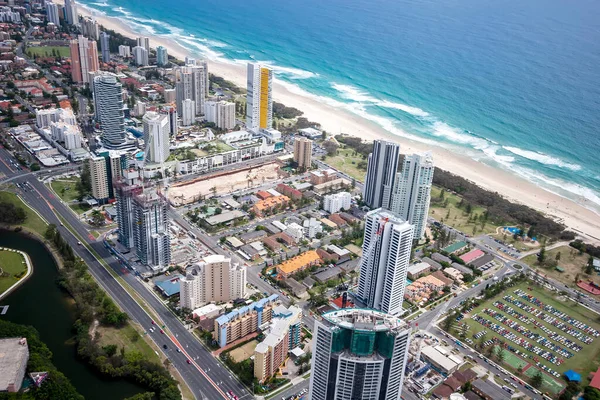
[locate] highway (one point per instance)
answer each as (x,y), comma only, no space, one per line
(210,385)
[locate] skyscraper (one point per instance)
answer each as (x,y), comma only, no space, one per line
(52,13)
(162,58)
(259,100)
(412,191)
(358,354)
(156,136)
(303,152)
(99,178)
(188,112)
(71,12)
(386,255)
(140,55)
(151,229)
(144,42)
(124,51)
(191,83)
(89,28)
(125,190)
(105,46)
(381,172)
(84,59)
(212,279)
(108,102)
(222,113)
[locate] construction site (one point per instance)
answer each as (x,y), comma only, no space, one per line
(224,182)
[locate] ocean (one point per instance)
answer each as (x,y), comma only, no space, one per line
(514,84)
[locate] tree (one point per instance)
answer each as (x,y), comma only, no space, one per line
(541,256)
(499,355)
(97,218)
(589,269)
(557,257)
(537,380)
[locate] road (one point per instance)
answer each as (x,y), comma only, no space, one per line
(205,385)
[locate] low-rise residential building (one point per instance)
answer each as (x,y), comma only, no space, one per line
(322,176)
(270,204)
(289,191)
(454,274)
(472,256)
(417,270)
(455,247)
(296,231)
(298,263)
(244,321)
(423,289)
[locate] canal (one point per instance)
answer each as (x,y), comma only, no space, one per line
(40,302)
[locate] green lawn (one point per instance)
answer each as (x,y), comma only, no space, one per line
(66,189)
(32,221)
(583,362)
(42,51)
(456,217)
(570,260)
(11,263)
(347,162)
(126,337)
(80,208)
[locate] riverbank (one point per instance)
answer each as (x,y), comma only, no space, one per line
(7,266)
(575,216)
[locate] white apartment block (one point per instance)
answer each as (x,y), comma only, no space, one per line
(311,227)
(412,191)
(221,113)
(386,256)
(296,231)
(212,279)
(156,137)
(124,51)
(335,202)
(44,118)
(188,112)
(140,55)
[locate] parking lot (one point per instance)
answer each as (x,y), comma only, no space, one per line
(540,328)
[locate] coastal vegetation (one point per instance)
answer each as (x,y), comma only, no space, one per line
(500,211)
(572,264)
(57,385)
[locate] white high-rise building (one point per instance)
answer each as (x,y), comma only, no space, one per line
(386,255)
(259,100)
(412,191)
(151,229)
(144,42)
(358,354)
(124,51)
(188,112)
(52,13)
(108,101)
(335,202)
(212,279)
(90,28)
(140,55)
(381,173)
(191,82)
(222,113)
(71,12)
(156,136)
(45,117)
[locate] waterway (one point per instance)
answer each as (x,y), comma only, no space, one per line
(41,303)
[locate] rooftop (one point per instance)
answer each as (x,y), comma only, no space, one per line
(454,247)
(170,285)
(301,260)
(364,319)
(472,255)
(13,354)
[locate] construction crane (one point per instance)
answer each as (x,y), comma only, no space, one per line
(442,310)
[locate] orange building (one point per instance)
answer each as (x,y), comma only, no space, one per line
(269,204)
(298,263)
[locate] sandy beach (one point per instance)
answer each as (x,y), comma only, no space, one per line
(574,216)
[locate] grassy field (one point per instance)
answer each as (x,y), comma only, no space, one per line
(80,208)
(43,51)
(583,362)
(33,221)
(126,337)
(12,264)
(456,217)
(346,162)
(66,189)
(570,260)
(243,352)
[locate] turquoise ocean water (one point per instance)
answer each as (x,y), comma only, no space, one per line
(514,83)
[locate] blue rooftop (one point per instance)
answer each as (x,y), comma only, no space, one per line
(573,376)
(170,286)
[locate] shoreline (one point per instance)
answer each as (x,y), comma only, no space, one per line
(574,216)
(21,280)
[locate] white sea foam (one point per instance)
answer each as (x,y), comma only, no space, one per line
(105,4)
(542,158)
